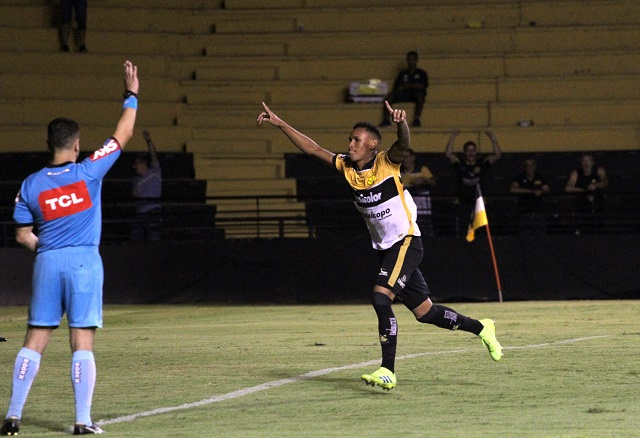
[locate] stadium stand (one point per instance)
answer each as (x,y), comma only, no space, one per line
(568,66)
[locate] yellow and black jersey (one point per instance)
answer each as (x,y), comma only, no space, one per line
(378,194)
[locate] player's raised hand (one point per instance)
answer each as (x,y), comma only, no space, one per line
(131,77)
(269,116)
(397,115)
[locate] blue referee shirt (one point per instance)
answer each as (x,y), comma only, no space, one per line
(63,202)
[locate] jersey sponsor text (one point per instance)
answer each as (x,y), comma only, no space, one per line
(64,201)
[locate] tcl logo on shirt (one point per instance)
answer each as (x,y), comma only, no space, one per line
(106,149)
(64,201)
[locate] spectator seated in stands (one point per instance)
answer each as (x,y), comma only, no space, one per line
(410,86)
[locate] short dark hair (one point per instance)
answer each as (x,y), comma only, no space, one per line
(61,133)
(369,127)
(412,53)
(469,143)
(145,158)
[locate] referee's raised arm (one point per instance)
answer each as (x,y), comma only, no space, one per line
(124,127)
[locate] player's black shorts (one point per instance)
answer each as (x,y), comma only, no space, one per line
(399,271)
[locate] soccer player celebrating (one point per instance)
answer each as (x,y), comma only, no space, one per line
(62,201)
(390,215)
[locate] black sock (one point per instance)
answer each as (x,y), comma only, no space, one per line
(447,318)
(387,329)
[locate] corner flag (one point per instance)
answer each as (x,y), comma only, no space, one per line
(478,217)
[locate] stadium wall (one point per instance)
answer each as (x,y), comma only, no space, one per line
(305,271)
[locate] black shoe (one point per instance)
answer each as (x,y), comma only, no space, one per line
(83,49)
(416,123)
(385,122)
(10,426)
(83,429)
(64,48)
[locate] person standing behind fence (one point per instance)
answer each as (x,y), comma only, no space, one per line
(147,190)
(418,179)
(67,9)
(469,171)
(588,182)
(62,202)
(530,185)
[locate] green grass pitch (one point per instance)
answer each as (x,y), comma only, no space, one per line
(570,369)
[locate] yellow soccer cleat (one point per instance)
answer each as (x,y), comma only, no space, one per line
(382,377)
(488,336)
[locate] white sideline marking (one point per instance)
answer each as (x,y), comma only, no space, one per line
(310,375)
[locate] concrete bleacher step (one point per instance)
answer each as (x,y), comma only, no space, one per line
(573,63)
(232,147)
(441,15)
(214,167)
(250,187)
(270,217)
(284,4)
(350,43)
(587,113)
(464,66)
(524,89)
(512,138)
(106,42)
(27,15)
(91,112)
(33,138)
(324,92)
(564,138)
(330,138)
(490,15)
(267,230)
(84,87)
(54,62)
(580,13)
(571,88)
(451,42)
(112,18)
(148,4)
(318,116)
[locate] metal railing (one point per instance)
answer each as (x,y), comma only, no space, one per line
(317,217)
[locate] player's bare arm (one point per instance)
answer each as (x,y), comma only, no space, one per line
(26,238)
(301,141)
(124,127)
(399,117)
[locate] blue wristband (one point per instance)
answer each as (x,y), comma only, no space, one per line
(130,102)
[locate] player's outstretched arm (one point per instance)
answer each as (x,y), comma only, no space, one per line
(399,117)
(302,142)
(124,127)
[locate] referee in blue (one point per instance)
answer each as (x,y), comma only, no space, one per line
(62,202)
